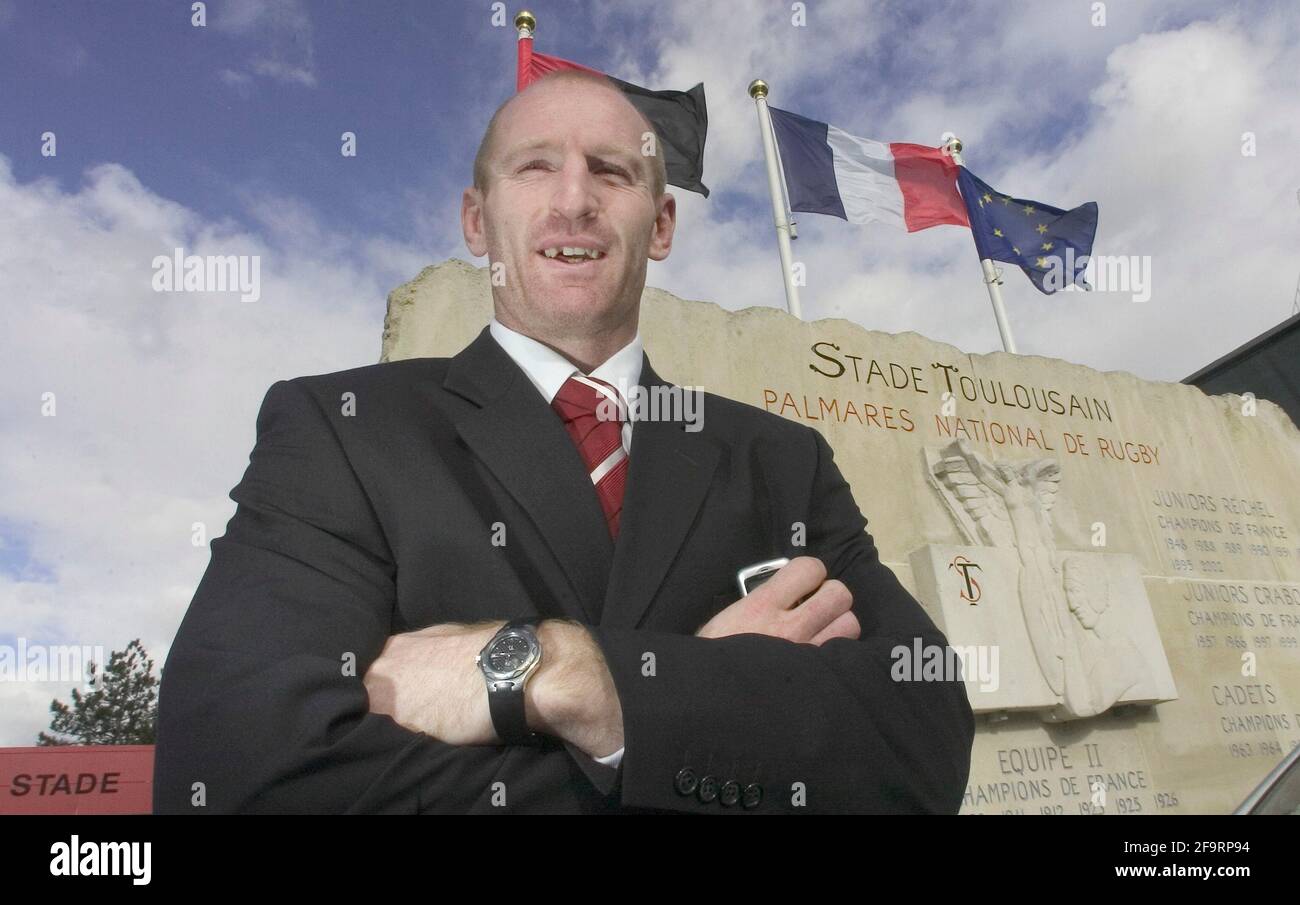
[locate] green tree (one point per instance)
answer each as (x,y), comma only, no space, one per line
(121,707)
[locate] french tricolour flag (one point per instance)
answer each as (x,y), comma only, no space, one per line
(829,171)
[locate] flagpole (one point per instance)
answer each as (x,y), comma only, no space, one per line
(952,144)
(526,25)
(758,91)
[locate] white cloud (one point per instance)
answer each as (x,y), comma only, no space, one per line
(285,72)
(278,34)
(1150,111)
(156,396)
(235,79)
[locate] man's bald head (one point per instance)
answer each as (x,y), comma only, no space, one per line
(573,79)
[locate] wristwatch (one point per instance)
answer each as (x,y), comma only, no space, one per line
(507,661)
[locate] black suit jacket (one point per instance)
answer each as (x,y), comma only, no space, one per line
(351,527)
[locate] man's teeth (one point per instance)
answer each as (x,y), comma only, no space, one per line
(574,252)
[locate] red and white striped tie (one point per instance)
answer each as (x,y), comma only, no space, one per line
(599,440)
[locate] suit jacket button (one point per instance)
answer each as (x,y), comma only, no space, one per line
(685,781)
(730,793)
(752,796)
(708,790)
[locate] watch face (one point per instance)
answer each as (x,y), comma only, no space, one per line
(508,656)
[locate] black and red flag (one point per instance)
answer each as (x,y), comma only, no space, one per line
(680,118)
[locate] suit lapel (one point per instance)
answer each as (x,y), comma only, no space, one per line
(523,443)
(669,472)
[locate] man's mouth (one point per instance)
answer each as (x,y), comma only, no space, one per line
(573,256)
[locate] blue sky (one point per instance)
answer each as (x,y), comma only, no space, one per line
(186,107)
(225,140)
(253,104)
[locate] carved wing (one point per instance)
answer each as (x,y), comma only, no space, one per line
(969,496)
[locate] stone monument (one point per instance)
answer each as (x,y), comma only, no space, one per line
(1115,561)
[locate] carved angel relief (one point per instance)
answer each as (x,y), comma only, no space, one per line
(1064,596)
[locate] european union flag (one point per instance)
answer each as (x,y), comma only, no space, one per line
(1050,245)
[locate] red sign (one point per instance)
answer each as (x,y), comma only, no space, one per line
(77,779)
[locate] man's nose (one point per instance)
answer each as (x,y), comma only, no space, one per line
(575,194)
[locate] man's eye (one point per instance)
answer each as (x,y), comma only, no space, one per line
(617,171)
(531,164)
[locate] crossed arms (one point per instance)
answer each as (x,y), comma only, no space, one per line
(256,709)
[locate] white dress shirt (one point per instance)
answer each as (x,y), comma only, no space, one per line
(548,370)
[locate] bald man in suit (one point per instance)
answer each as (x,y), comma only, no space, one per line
(497,585)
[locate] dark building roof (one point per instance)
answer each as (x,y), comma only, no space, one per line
(1268,366)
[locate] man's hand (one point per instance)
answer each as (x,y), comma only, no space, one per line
(774,608)
(427,681)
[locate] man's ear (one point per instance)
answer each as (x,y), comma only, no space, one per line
(471,222)
(661,240)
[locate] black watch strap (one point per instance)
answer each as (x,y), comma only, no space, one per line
(506,701)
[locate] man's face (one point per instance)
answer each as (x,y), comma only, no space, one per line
(566,169)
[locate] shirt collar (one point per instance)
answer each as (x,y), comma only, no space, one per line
(548,369)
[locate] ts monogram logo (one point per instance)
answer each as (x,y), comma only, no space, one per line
(970,587)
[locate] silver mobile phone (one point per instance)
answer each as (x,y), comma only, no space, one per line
(751,577)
